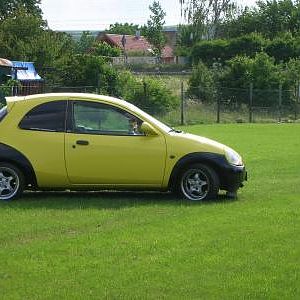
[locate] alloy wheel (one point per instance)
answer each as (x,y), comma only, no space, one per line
(9,183)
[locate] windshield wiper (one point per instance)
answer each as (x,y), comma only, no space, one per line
(175,130)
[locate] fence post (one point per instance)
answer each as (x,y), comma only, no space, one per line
(218,108)
(182,105)
(297,100)
(145,89)
(14,90)
(250,102)
(279,102)
(98,82)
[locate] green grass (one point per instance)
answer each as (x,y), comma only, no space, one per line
(153,246)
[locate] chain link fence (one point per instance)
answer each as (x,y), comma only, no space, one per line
(198,105)
(227,105)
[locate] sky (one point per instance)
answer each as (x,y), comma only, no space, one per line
(99,14)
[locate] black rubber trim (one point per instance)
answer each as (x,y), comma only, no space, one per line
(231,177)
(10,155)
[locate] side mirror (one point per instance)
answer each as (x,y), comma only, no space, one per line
(148,129)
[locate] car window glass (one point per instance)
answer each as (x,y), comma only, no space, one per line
(46,117)
(97,118)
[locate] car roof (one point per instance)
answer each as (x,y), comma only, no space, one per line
(66,96)
(48,97)
(69,96)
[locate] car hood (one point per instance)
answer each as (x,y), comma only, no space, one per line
(204,141)
(188,143)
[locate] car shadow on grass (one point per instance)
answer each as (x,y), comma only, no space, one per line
(105,200)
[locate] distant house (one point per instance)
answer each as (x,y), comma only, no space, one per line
(136,45)
(23,72)
(26,74)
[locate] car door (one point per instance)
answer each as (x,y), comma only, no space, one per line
(104,147)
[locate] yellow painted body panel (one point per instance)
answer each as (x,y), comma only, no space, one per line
(181,144)
(108,161)
(119,160)
(45,150)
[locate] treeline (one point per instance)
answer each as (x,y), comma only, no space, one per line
(61,61)
(282,48)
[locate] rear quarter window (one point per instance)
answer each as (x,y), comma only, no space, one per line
(50,116)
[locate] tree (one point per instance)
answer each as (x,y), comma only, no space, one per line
(8,7)
(260,70)
(25,37)
(210,51)
(85,42)
(283,48)
(207,15)
(220,50)
(269,18)
(202,84)
(155,25)
(278,16)
(104,49)
(126,28)
(17,31)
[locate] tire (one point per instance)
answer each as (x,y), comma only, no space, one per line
(11,182)
(198,182)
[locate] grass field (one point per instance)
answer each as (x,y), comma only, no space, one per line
(154,246)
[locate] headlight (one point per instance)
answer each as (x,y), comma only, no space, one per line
(233,157)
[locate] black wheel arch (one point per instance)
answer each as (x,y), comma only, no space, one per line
(212,160)
(10,155)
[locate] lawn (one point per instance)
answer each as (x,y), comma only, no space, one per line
(154,246)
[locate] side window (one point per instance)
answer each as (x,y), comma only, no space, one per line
(49,116)
(96,118)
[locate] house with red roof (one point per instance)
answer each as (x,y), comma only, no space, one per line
(136,45)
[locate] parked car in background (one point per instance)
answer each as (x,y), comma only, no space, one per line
(90,142)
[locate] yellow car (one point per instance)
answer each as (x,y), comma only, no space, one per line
(89,142)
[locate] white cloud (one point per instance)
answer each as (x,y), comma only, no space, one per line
(98,14)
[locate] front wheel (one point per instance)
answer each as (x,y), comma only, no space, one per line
(11,182)
(199,182)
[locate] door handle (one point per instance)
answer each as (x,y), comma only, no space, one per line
(82,142)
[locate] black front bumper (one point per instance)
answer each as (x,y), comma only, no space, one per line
(232,177)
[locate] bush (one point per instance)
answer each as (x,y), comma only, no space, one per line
(87,70)
(209,51)
(104,49)
(260,70)
(282,48)
(7,88)
(223,50)
(202,84)
(247,45)
(156,67)
(291,71)
(148,94)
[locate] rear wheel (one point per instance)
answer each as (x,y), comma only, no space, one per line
(11,182)
(198,182)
